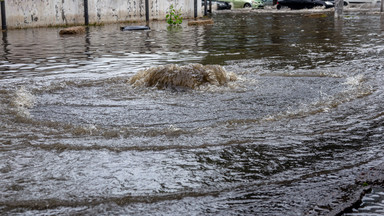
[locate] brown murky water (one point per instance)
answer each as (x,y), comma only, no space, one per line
(286,137)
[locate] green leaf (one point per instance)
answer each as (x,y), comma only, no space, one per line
(174,16)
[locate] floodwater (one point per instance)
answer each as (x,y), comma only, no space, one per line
(372,204)
(287,137)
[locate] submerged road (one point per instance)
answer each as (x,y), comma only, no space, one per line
(289,136)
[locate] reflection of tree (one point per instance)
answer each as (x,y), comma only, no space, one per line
(175,38)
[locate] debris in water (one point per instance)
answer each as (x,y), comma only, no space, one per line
(73,30)
(134,28)
(201,22)
(316,15)
(188,76)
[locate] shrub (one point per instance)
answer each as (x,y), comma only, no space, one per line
(174,16)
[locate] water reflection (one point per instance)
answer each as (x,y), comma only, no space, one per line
(87,43)
(5,44)
(275,36)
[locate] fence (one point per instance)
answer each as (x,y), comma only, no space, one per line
(36,13)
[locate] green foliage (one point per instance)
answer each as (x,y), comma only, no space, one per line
(174,16)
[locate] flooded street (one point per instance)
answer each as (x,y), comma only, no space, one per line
(288,136)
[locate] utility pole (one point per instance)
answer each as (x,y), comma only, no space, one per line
(3,16)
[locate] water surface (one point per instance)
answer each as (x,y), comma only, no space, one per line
(287,137)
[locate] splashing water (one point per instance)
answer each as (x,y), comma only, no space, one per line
(188,76)
(283,133)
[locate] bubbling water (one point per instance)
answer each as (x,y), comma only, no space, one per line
(190,76)
(22,101)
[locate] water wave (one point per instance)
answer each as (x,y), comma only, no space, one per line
(355,88)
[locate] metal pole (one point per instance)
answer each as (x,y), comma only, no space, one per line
(339,4)
(195,6)
(205,8)
(86,15)
(147,11)
(3,17)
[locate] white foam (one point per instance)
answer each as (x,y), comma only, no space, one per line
(22,101)
(355,80)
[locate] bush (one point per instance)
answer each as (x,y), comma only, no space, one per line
(174,16)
